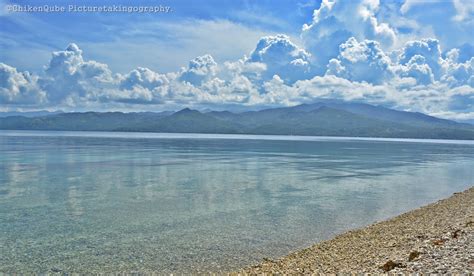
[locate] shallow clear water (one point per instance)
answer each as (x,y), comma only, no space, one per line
(80,201)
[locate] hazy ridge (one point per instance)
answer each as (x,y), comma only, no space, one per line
(327,118)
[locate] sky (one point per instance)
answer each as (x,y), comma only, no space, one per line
(237,55)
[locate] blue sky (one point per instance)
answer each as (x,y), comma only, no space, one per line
(407,54)
(109,37)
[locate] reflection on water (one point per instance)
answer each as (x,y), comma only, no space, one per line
(84,203)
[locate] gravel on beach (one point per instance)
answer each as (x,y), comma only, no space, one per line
(437,238)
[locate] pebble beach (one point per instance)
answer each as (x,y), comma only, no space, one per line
(437,238)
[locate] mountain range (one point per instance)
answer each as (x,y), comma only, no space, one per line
(324,118)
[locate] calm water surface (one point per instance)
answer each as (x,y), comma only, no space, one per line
(84,202)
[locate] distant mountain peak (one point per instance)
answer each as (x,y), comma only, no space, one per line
(187,110)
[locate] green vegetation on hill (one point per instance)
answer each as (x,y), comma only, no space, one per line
(322,118)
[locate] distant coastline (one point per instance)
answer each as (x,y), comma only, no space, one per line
(436,238)
(335,119)
(165,135)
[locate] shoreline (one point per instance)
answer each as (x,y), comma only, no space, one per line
(223,136)
(436,238)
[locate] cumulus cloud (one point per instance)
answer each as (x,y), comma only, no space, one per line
(348,54)
(19,88)
(361,71)
(401,93)
(361,61)
(199,69)
(327,87)
(458,74)
(423,61)
(143,77)
(198,84)
(418,69)
(252,70)
(280,56)
(428,49)
(336,21)
(69,75)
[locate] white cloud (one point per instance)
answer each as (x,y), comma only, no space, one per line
(450,22)
(169,44)
(351,54)
(69,75)
(336,21)
(458,74)
(329,86)
(199,69)
(464,10)
(252,70)
(361,61)
(19,88)
(143,77)
(401,93)
(408,4)
(417,69)
(361,71)
(281,57)
(429,49)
